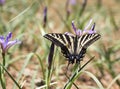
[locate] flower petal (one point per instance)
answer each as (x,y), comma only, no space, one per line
(9,36)
(72,2)
(88,24)
(93,27)
(2,42)
(2,39)
(85,31)
(91,31)
(11,43)
(74,28)
(2,2)
(79,32)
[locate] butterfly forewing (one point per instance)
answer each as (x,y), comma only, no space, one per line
(89,39)
(84,41)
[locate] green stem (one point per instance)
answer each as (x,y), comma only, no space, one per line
(2,76)
(2,79)
(10,77)
(48,79)
(76,73)
(3,56)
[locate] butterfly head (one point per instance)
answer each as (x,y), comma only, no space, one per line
(75,58)
(71,59)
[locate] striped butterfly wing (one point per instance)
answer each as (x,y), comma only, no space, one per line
(88,39)
(65,42)
(84,41)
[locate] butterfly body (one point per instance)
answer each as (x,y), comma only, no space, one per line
(72,47)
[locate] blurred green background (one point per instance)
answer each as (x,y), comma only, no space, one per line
(25,19)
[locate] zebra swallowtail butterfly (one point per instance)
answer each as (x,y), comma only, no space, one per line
(73,47)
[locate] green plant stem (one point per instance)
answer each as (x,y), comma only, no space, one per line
(3,57)
(41,64)
(2,80)
(2,77)
(48,80)
(10,77)
(76,74)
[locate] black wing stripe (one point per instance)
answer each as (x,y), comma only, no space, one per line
(62,38)
(68,39)
(53,35)
(82,53)
(81,38)
(57,35)
(75,43)
(90,35)
(85,37)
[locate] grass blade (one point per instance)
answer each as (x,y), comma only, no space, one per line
(11,77)
(95,79)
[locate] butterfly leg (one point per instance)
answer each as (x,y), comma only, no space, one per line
(67,66)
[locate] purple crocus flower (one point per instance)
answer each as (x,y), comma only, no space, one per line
(6,43)
(80,32)
(2,2)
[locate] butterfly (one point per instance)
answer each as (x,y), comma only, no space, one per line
(73,47)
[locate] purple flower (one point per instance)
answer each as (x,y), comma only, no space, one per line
(45,17)
(6,43)
(45,11)
(2,2)
(72,2)
(80,32)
